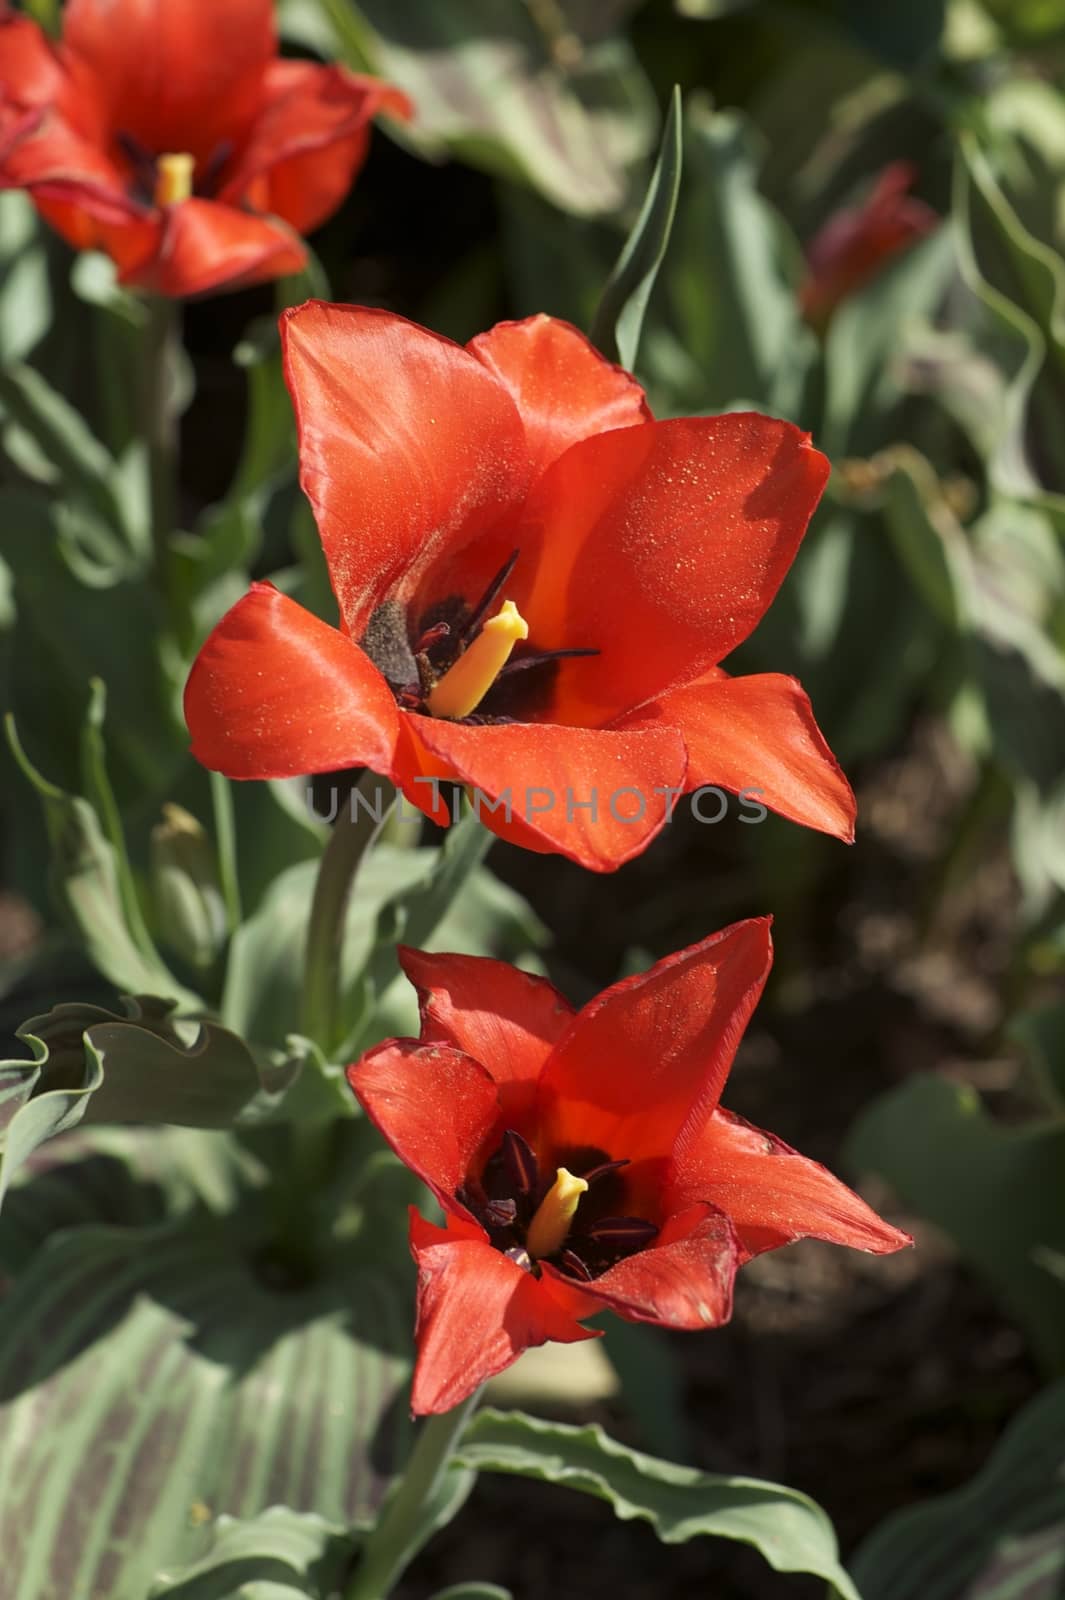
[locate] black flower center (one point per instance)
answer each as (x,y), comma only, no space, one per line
(416,655)
(145,169)
(516,1204)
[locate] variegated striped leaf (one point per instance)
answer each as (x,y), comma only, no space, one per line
(154,1379)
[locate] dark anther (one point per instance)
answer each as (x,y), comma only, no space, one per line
(136,153)
(476,616)
(472,1196)
(573,1264)
(521,1165)
(602,1170)
(500,1213)
(540,658)
(520,1255)
(621,1233)
(208,181)
(409,698)
(143,163)
(431,636)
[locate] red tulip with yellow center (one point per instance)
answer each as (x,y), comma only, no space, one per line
(582,1159)
(173,137)
(536,584)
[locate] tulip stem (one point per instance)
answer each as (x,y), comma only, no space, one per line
(359,821)
(408,1518)
(161,354)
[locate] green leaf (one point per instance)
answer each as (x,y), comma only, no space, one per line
(997,1190)
(619,318)
(1041,1031)
(906,35)
(87,883)
(85,467)
(568,113)
(1001,1536)
(436,899)
(738,336)
(867,341)
(93,1066)
(1021,281)
(82,616)
(473,1591)
(264,975)
(788,1529)
(279,1554)
(926,535)
(129,1177)
(652,1384)
(1028,21)
(25,295)
(153,1380)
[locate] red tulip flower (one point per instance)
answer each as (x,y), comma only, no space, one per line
(536,583)
(582,1159)
(175,139)
(857,242)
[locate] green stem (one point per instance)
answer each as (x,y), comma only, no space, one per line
(356,827)
(161,344)
(404,1526)
(225,834)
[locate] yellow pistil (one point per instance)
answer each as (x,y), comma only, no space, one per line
(549,1227)
(173,178)
(464,686)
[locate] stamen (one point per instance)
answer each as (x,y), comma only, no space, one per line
(488,599)
(622,1233)
(549,1227)
(173,178)
(432,636)
(539,658)
(500,1213)
(606,1167)
(211,175)
(464,686)
(137,154)
(573,1263)
(521,1165)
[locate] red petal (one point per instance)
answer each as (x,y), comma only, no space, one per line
(563,388)
(553,777)
(758,735)
(407,446)
(182,77)
(646,1059)
(477,1312)
(857,241)
(207,246)
(310,138)
(30,74)
(129,244)
(57,163)
(772,1193)
(275,693)
(434,1105)
(506,1019)
(661,547)
(683,1281)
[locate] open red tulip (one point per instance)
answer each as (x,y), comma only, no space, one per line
(175,139)
(582,1159)
(858,241)
(536,584)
